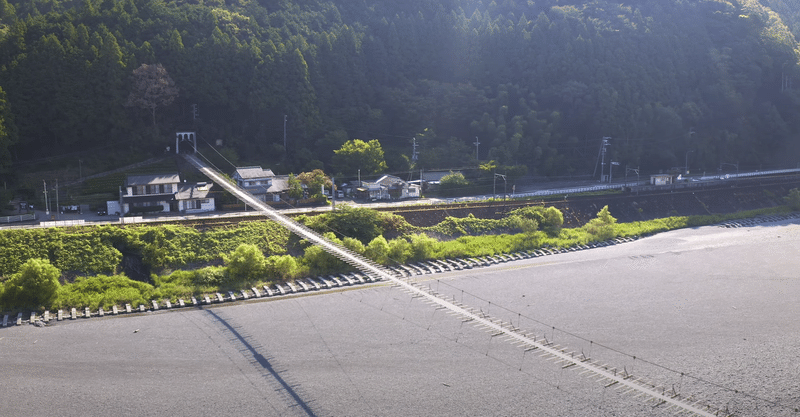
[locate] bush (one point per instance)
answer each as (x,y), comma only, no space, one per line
(793,199)
(399,250)
(210,276)
(548,219)
(378,250)
(453,183)
(35,285)
(245,264)
(104,291)
(423,247)
(360,223)
(602,227)
(320,262)
(282,267)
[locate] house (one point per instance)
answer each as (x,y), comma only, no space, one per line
(164,193)
(195,198)
(261,183)
(388,187)
(661,179)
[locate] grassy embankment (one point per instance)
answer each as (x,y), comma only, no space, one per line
(86,265)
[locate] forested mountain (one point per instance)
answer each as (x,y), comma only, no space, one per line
(539,83)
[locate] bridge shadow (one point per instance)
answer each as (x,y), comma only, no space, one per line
(265,364)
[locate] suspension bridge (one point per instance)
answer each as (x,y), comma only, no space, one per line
(611,377)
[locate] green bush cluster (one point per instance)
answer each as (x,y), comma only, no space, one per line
(256,252)
(104,291)
(35,285)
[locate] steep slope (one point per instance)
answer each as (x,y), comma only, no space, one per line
(539,83)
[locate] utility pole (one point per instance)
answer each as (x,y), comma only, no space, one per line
(285,151)
(414,150)
(602,157)
(58,209)
(46,204)
(80,169)
(477,154)
(333,193)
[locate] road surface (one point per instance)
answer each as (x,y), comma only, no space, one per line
(721,305)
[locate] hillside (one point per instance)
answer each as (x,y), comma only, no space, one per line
(539,83)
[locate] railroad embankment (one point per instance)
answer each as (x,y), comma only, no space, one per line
(631,205)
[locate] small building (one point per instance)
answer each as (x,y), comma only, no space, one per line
(195,198)
(164,193)
(261,183)
(661,179)
(149,193)
(388,187)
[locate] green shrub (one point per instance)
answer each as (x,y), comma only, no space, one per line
(320,262)
(86,253)
(602,227)
(356,222)
(399,250)
(423,247)
(245,264)
(179,284)
(378,250)
(453,183)
(35,285)
(282,267)
(793,199)
(210,277)
(104,291)
(548,219)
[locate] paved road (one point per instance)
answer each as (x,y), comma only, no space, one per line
(719,304)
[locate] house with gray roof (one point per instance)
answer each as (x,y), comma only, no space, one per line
(261,183)
(164,193)
(388,187)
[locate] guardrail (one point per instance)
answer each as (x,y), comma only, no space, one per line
(59,223)
(20,218)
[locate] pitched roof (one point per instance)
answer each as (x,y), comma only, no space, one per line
(193,191)
(152,179)
(389,180)
(246,173)
(279,184)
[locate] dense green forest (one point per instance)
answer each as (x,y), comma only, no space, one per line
(538,83)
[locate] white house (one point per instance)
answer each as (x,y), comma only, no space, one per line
(164,193)
(261,183)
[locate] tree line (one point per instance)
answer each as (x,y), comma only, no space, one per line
(535,83)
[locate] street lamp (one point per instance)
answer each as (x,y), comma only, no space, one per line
(686,162)
(495,185)
(611,170)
